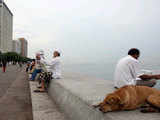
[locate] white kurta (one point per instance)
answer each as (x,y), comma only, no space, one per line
(127,72)
(55,67)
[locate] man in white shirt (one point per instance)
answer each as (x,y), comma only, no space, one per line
(128,72)
(55,65)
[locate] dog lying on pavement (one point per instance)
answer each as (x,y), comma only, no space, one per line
(132,97)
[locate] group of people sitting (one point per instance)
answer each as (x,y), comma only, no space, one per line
(127,71)
(38,66)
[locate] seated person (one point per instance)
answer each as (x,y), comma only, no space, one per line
(128,69)
(32,65)
(37,67)
(55,68)
(28,66)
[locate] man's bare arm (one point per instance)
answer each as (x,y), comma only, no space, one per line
(148,77)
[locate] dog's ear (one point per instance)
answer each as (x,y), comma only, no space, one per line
(113,99)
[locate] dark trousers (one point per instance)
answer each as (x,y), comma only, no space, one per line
(35,72)
(4,68)
(149,83)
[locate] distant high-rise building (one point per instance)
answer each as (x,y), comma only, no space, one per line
(24,46)
(6,28)
(16,46)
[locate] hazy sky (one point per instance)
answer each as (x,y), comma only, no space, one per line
(88,30)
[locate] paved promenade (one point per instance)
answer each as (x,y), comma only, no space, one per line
(15,101)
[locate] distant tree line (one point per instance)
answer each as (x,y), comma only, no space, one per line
(13,57)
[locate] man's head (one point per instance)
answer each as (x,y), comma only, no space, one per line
(38,56)
(134,52)
(56,54)
(33,60)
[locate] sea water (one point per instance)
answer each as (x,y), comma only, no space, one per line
(106,70)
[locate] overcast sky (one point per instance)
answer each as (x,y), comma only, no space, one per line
(88,30)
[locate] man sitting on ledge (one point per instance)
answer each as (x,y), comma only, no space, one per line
(38,66)
(128,72)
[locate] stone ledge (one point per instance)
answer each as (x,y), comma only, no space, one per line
(75,95)
(43,107)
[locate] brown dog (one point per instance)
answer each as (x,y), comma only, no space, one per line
(129,98)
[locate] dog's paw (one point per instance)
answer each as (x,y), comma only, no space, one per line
(95,106)
(149,110)
(145,106)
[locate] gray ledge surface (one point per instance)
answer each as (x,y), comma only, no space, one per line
(75,94)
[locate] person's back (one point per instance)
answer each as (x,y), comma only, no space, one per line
(55,67)
(126,71)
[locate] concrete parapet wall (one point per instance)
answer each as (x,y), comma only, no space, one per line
(75,95)
(72,105)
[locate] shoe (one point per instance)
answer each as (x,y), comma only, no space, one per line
(31,80)
(39,87)
(39,91)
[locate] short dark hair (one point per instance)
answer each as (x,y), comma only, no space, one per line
(33,60)
(133,51)
(58,54)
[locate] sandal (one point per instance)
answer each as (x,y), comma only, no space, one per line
(39,91)
(39,87)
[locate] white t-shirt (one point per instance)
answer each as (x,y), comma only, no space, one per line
(127,72)
(55,67)
(38,64)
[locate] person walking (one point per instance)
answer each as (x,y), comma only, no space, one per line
(4,64)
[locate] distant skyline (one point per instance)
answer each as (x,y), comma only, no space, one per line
(88,31)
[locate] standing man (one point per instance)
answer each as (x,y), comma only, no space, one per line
(128,72)
(4,64)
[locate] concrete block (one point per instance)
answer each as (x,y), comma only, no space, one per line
(75,94)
